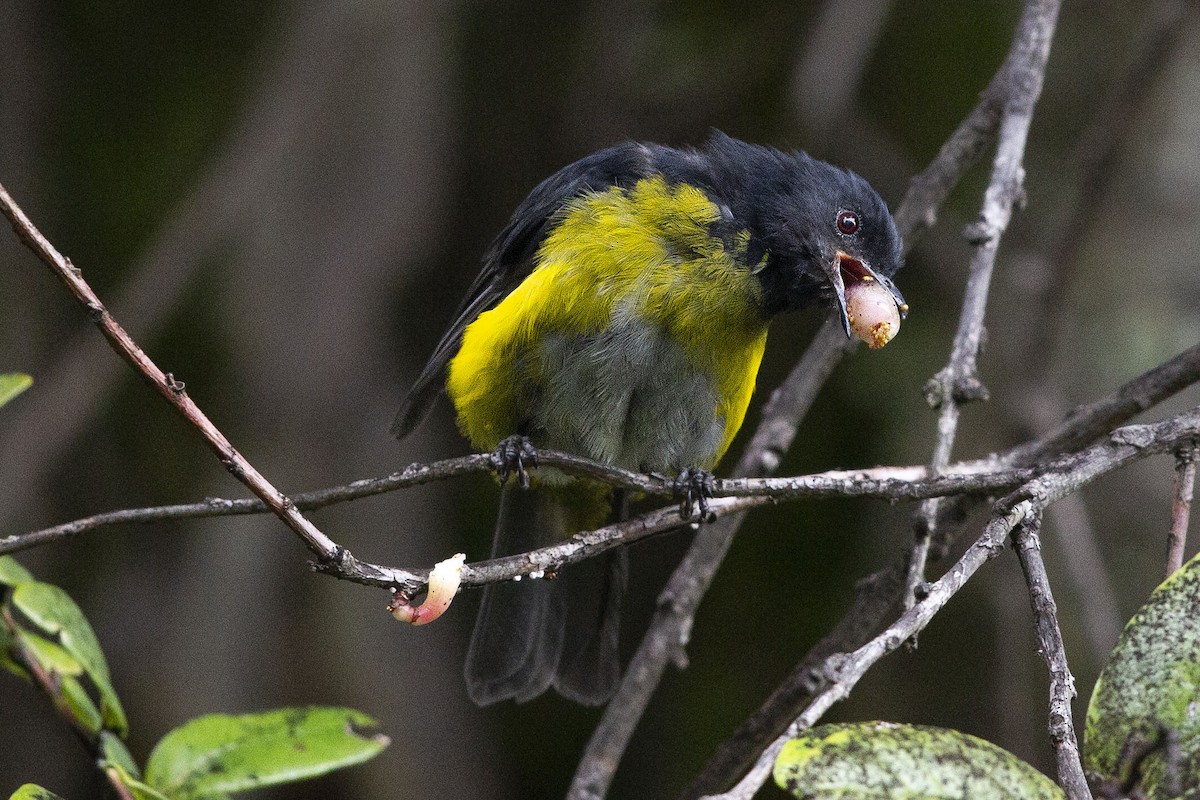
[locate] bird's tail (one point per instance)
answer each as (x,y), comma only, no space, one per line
(535,634)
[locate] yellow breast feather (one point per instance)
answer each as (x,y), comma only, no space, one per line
(646,251)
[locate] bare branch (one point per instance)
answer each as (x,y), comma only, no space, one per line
(889,483)
(1094,419)
(772,438)
(672,623)
(839,673)
(928,190)
(1047,276)
(877,594)
(1095,154)
(413,475)
(172,390)
(733,497)
(1181,506)
(670,628)
(1050,645)
(958,382)
(1007,104)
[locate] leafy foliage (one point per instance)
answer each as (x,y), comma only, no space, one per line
(12,384)
(220,754)
(44,633)
(887,761)
(50,617)
(1148,694)
(12,573)
(33,792)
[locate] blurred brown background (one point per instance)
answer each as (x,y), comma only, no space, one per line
(283,203)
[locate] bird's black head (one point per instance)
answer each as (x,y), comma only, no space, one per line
(819,227)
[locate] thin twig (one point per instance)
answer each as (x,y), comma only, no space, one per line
(1084,426)
(1050,644)
(329,554)
(670,629)
(889,483)
(841,672)
(1048,276)
(1087,422)
(877,594)
(412,475)
(958,382)
(1181,506)
(1008,104)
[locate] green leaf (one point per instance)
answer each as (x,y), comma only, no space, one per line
(48,654)
(12,384)
(65,669)
(53,610)
(887,761)
(6,662)
(222,754)
(83,708)
(115,756)
(12,573)
(7,648)
(33,792)
(141,791)
(1152,679)
(114,753)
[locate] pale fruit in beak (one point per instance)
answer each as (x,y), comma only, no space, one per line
(872,312)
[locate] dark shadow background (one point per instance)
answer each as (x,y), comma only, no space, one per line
(283,203)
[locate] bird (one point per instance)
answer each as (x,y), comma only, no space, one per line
(622,315)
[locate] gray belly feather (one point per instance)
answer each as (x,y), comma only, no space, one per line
(627,396)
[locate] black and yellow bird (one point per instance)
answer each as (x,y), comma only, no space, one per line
(622,315)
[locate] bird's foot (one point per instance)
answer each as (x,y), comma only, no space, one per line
(512,456)
(694,488)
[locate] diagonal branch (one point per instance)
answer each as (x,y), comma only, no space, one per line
(1050,644)
(1007,103)
(672,621)
(1181,505)
(840,672)
(958,382)
(876,594)
(172,390)
(1084,426)
(978,478)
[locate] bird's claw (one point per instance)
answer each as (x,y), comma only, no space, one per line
(694,488)
(512,456)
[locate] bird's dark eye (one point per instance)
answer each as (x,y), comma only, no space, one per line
(847,222)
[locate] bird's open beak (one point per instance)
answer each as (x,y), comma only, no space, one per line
(844,270)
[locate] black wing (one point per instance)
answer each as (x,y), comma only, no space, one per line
(510,258)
